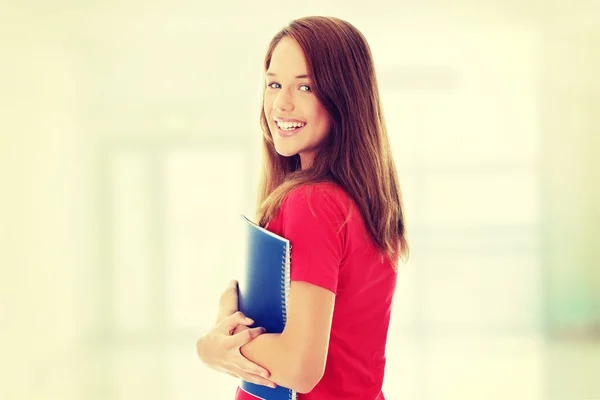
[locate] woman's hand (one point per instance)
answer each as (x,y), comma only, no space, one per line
(220,349)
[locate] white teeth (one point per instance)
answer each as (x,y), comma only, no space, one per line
(290,125)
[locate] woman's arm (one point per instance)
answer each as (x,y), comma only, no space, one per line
(296,358)
(228,302)
(220,347)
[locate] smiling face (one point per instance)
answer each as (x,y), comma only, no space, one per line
(297,121)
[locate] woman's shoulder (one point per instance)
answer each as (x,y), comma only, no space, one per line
(320,199)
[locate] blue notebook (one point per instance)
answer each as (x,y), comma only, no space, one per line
(264,289)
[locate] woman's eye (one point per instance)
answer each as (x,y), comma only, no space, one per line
(275,85)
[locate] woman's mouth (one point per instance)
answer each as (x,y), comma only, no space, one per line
(286,129)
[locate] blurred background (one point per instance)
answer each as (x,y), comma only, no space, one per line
(130,144)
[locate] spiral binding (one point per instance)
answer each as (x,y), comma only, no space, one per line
(286,260)
(286,283)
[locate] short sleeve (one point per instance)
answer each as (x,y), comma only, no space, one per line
(313,222)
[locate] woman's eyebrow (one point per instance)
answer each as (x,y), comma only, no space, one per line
(303,76)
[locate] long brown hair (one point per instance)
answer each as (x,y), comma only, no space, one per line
(356,153)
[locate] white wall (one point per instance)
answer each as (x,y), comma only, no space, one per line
(173,84)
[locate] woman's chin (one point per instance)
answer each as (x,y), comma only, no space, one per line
(285,152)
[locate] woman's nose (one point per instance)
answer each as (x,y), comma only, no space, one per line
(283,102)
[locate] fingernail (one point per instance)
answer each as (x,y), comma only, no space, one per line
(263,330)
(249,320)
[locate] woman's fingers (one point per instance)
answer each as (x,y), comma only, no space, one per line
(220,349)
(253,378)
(230,323)
(241,362)
(243,337)
(248,367)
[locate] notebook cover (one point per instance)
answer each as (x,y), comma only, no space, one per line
(263,294)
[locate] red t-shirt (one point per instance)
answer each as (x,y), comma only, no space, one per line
(343,259)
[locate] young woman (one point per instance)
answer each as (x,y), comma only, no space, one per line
(329,185)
